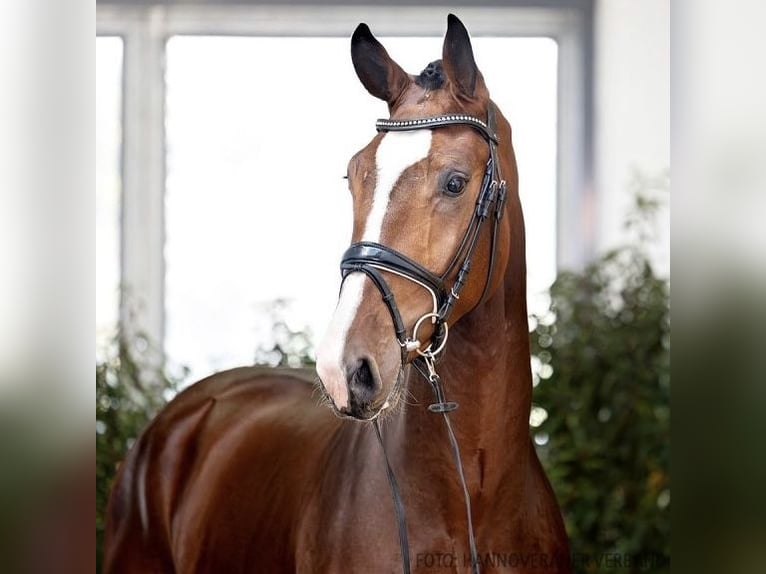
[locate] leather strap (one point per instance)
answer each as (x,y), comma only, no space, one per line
(392,125)
(444,407)
(388,298)
(366,252)
(401,519)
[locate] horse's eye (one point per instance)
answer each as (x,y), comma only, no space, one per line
(455,185)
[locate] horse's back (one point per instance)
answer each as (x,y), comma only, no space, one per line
(237,449)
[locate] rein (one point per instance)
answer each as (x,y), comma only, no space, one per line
(375,259)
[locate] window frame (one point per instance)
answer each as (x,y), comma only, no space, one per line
(145,30)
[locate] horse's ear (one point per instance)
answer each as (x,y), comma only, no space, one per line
(457,59)
(379,74)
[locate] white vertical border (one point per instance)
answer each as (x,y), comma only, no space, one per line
(143,169)
(575,235)
(145,30)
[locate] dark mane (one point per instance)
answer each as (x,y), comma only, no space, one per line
(432,77)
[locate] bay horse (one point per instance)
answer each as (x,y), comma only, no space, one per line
(245,472)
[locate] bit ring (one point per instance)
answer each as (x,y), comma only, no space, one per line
(428,350)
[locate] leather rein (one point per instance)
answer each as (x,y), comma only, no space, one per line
(376,259)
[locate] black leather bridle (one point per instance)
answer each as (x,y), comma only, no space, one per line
(376,259)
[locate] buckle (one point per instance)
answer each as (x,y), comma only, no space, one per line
(487,200)
(501,195)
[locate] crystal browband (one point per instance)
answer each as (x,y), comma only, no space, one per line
(383,125)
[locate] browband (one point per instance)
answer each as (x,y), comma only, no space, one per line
(384,125)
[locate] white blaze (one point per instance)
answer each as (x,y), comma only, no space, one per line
(396,152)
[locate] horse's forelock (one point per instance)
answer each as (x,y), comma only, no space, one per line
(432,76)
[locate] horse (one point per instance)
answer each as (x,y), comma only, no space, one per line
(245,471)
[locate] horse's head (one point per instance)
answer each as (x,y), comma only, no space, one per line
(415,193)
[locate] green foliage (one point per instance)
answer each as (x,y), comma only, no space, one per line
(129,391)
(289,347)
(602,373)
(131,388)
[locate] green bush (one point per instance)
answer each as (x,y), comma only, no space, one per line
(601,356)
(288,346)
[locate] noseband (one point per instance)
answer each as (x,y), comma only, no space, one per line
(375,259)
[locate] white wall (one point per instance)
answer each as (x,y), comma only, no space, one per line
(632,110)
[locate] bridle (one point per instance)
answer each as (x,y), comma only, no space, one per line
(375,259)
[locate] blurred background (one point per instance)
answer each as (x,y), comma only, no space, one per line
(223,131)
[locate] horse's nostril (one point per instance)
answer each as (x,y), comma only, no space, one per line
(362,383)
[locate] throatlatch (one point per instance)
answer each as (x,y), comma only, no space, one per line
(376,259)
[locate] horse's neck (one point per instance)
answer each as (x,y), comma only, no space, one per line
(486,370)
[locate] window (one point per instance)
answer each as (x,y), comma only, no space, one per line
(231,194)
(256,208)
(108,184)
